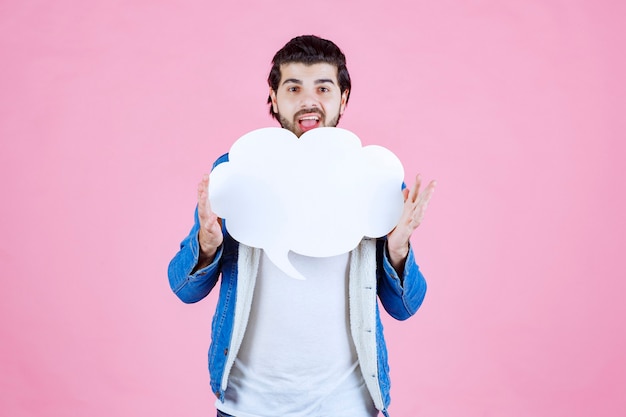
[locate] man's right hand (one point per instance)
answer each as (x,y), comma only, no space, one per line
(210,235)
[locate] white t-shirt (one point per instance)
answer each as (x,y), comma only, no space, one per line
(297,358)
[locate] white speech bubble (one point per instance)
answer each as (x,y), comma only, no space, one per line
(318,195)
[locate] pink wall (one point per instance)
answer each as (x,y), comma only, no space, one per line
(111,111)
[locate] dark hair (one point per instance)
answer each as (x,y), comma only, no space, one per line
(309,50)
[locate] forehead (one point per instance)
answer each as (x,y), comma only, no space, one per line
(304,72)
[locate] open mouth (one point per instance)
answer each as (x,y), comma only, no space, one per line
(308,121)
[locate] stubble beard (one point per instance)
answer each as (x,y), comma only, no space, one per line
(291,125)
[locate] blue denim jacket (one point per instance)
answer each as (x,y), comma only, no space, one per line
(235,262)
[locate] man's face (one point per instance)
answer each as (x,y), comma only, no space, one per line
(308,96)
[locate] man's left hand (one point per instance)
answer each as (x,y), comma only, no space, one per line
(415,204)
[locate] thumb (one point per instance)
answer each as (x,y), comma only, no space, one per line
(405,193)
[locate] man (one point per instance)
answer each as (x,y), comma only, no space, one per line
(285,347)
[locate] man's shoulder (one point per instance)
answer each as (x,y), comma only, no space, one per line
(221,159)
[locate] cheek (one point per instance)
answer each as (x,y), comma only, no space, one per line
(336,106)
(282,104)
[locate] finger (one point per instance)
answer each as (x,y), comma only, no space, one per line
(420,209)
(416,188)
(207,201)
(427,193)
(203,204)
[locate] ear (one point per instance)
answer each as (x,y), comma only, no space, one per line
(344,101)
(274,102)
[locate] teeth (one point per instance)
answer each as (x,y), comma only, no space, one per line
(310,118)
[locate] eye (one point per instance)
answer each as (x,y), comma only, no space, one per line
(324,89)
(293,89)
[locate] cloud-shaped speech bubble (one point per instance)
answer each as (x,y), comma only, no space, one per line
(318,195)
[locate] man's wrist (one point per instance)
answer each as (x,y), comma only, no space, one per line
(398,256)
(206,257)
(398,251)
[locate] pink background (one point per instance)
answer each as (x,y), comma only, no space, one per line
(111,111)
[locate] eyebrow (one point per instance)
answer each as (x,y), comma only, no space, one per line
(318,81)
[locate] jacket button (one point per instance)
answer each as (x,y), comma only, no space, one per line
(217,394)
(226,352)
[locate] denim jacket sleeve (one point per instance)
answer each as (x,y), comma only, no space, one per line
(191,288)
(400,296)
(188,285)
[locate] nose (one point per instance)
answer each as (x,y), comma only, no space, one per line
(309,100)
